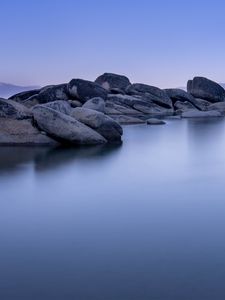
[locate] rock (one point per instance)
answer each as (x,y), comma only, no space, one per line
(53,93)
(65,128)
(12,109)
(112,108)
(202,104)
(20,97)
(179,95)
(153,121)
(116,91)
(183,106)
(95,104)
(84,90)
(200,114)
(206,89)
(75,103)
(21,132)
(111,81)
(103,124)
(59,105)
(154,94)
(218,106)
(127,120)
(152,109)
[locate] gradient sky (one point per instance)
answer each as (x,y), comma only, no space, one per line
(162,43)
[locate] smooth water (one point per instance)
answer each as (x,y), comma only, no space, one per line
(143,221)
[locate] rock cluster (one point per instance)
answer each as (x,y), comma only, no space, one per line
(83,112)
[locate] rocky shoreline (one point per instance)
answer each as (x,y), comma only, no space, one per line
(82,112)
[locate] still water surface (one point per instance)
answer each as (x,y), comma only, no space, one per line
(141,221)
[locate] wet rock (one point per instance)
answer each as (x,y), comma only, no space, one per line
(154,121)
(200,114)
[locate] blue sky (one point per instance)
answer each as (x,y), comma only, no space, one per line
(162,43)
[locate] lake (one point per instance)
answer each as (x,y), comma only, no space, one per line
(140,221)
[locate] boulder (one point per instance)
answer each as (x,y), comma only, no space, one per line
(202,104)
(53,93)
(206,89)
(20,97)
(65,128)
(84,90)
(200,114)
(95,104)
(75,103)
(103,124)
(14,110)
(59,105)
(111,81)
(183,106)
(154,121)
(153,94)
(22,132)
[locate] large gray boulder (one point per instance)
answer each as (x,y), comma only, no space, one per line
(200,114)
(12,109)
(22,132)
(59,105)
(204,88)
(103,124)
(152,93)
(96,103)
(110,81)
(53,93)
(65,128)
(84,90)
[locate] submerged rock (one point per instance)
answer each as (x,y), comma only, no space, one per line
(65,128)
(103,124)
(204,88)
(110,81)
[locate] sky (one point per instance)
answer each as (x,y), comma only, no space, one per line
(162,42)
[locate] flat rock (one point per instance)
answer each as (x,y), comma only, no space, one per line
(200,114)
(206,89)
(103,124)
(96,103)
(22,132)
(65,128)
(183,106)
(154,121)
(127,120)
(219,106)
(83,90)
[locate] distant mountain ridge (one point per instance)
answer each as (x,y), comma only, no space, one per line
(7,89)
